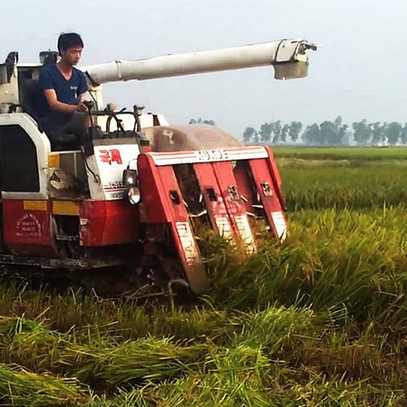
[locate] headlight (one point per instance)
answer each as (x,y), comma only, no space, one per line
(133,195)
(130,177)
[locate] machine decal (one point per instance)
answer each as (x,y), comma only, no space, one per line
(225,154)
(112,161)
(28,226)
(225,230)
(110,156)
(54,160)
(70,208)
(242,224)
(280,224)
(216,155)
(188,242)
(35,205)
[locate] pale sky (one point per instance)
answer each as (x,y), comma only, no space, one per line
(359,70)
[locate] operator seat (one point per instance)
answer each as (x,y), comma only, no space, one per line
(30,94)
(29,88)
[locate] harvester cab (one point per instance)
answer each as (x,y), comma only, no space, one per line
(132,191)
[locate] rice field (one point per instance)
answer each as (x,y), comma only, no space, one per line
(320,320)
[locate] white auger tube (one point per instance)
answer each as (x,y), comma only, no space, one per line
(288,57)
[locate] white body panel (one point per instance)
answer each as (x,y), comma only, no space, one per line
(111,161)
(43,148)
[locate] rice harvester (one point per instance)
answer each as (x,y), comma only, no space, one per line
(128,194)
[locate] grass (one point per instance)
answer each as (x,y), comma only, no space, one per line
(317,321)
(355,154)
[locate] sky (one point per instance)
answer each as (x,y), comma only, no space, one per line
(359,70)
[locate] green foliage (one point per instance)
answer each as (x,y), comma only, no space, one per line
(329,133)
(353,156)
(248,134)
(353,178)
(19,387)
(202,121)
(361,131)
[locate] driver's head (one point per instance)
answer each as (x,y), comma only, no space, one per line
(70,46)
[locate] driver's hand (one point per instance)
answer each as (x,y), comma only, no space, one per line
(81,107)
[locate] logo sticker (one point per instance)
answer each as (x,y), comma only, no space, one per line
(28,226)
(110,156)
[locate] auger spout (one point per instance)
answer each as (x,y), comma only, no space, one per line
(288,57)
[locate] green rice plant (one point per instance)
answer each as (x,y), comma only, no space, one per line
(240,371)
(349,187)
(272,389)
(271,328)
(130,361)
(83,314)
(376,154)
(19,387)
(29,343)
(331,258)
(132,397)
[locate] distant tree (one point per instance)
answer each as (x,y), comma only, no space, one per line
(284,133)
(276,131)
(333,132)
(248,134)
(312,135)
(403,135)
(256,138)
(328,132)
(377,132)
(265,132)
(200,121)
(384,133)
(393,132)
(342,130)
(362,132)
(294,131)
(343,134)
(338,122)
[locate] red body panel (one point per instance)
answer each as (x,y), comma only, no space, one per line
(245,184)
(255,177)
(105,223)
(102,223)
(234,204)
(215,204)
(28,232)
(276,176)
(232,181)
(162,203)
(154,201)
(262,174)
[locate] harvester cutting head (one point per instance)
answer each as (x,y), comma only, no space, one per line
(230,189)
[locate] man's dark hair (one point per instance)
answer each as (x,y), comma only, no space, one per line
(69,40)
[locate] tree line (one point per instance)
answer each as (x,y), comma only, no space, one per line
(328,133)
(325,133)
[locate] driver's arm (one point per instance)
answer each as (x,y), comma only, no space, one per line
(56,105)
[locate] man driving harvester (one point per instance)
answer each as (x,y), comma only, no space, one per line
(61,109)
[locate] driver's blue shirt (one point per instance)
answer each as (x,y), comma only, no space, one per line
(67,91)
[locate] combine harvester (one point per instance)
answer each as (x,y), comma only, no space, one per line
(126,195)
